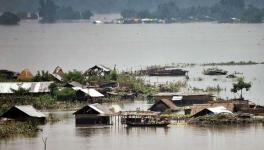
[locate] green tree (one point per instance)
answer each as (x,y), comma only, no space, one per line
(47,10)
(128,13)
(87,14)
(8,18)
(252,15)
(20,91)
(240,85)
(66,13)
(74,76)
(42,76)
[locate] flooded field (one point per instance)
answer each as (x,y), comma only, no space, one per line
(251,73)
(65,135)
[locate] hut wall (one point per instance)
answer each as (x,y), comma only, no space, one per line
(193,99)
(91,119)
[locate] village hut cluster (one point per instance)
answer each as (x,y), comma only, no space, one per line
(189,104)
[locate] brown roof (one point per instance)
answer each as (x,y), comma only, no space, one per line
(198,107)
(58,70)
(25,75)
(168,103)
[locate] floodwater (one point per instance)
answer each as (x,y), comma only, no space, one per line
(251,73)
(80,45)
(64,135)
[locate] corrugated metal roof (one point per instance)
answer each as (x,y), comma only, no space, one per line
(219,109)
(57,76)
(90,92)
(102,110)
(30,110)
(34,87)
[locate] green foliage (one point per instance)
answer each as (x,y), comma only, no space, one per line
(42,76)
(128,13)
(47,10)
(137,84)
(66,13)
(8,18)
(44,101)
(173,86)
(253,15)
(240,85)
(65,94)
(20,91)
(53,87)
(74,76)
(13,128)
(113,75)
(87,14)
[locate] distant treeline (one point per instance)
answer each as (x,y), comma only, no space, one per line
(110,6)
(223,11)
(50,12)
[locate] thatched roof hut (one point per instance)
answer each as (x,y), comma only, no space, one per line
(25,75)
(163,105)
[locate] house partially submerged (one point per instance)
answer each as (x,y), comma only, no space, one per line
(24,113)
(93,114)
(87,94)
(25,75)
(98,70)
(164,105)
(213,111)
(8,74)
(181,100)
(229,105)
(8,88)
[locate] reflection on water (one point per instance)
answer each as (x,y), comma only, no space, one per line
(65,135)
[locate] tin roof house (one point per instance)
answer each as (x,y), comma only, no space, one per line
(33,87)
(93,114)
(213,111)
(24,113)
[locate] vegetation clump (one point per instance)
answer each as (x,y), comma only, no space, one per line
(8,18)
(240,85)
(13,128)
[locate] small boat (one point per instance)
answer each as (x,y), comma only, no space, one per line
(130,124)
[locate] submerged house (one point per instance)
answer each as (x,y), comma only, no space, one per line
(229,105)
(7,88)
(87,94)
(185,99)
(213,111)
(93,114)
(24,113)
(164,105)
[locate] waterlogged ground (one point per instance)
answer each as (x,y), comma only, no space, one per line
(251,73)
(64,135)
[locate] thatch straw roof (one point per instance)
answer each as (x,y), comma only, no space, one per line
(25,75)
